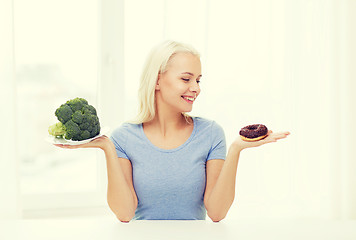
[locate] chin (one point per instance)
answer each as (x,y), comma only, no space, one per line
(186,110)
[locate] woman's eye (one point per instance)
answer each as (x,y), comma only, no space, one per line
(188,79)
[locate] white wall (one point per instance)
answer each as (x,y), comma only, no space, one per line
(344,158)
(287,64)
(273,62)
(9,182)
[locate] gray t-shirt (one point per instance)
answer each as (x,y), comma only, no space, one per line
(170,183)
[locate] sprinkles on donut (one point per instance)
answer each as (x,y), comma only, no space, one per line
(254,132)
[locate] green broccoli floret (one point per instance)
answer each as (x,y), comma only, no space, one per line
(58,130)
(72,131)
(64,113)
(79,120)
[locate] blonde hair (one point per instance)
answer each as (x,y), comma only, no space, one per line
(156,63)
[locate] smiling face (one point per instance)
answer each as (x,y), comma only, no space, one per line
(178,87)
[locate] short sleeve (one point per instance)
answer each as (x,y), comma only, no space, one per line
(119,138)
(218,143)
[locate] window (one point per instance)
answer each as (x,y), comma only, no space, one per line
(51,69)
(58,56)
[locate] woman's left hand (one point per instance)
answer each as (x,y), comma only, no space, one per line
(271,137)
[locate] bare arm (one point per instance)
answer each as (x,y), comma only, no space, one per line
(121,195)
(221,176)
(220,189)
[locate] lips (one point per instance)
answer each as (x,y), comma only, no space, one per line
(188,99)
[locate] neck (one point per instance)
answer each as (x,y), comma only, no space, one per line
(167,123)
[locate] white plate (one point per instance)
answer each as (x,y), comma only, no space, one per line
(54,140)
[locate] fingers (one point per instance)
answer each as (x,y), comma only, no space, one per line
(91,144)
(273,137)
(60,145)
(67,146)
(281,135)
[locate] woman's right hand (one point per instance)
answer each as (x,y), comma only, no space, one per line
(102,142)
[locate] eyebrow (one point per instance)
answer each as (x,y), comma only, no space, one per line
(191,74)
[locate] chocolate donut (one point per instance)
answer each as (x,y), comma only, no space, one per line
(253,132)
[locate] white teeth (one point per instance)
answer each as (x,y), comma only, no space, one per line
(190,99)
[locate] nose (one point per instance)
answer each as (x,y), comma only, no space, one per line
(195,87)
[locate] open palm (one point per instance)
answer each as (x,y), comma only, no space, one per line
(271,137)
(99,142)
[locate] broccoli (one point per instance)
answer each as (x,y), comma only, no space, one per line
(77,121)
(58,130)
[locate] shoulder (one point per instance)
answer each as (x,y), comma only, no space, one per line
(210,132)
(205,123)
(208,129)
(124,127)
(124,130)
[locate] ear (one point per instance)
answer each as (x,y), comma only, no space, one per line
(157,82)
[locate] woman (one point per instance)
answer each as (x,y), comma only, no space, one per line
(166,164)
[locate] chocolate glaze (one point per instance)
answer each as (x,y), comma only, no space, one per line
(254,131)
